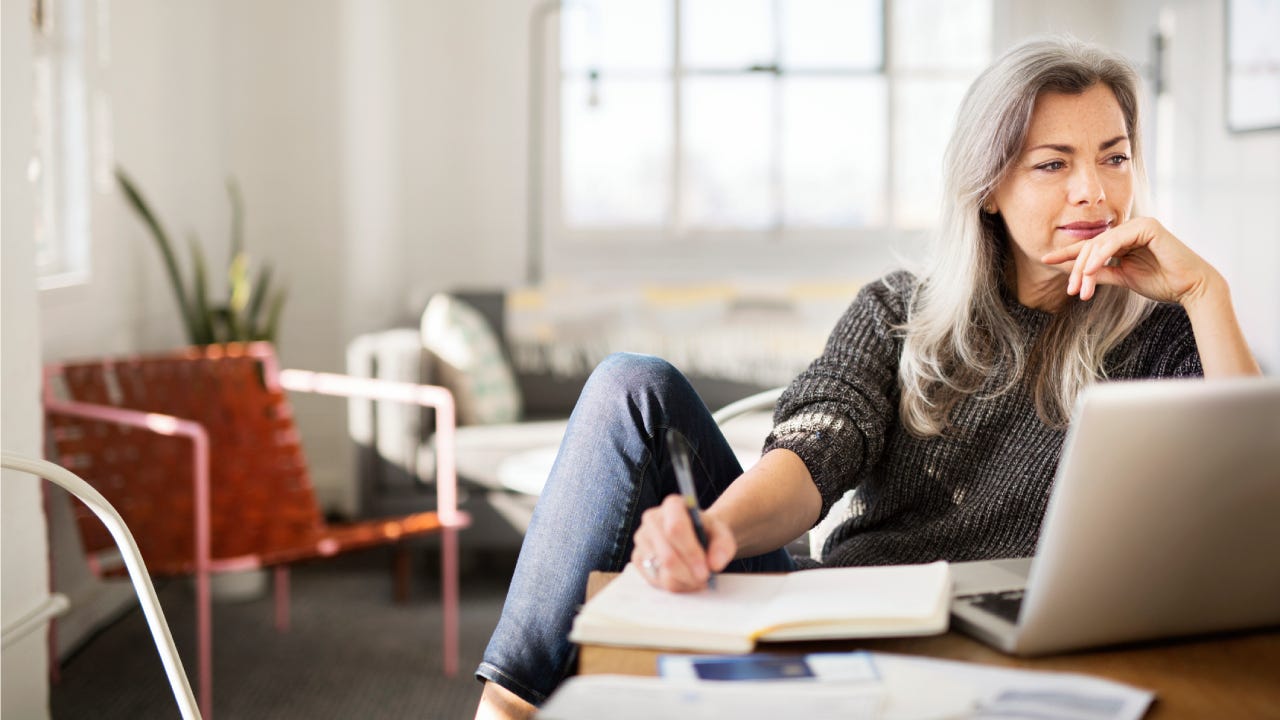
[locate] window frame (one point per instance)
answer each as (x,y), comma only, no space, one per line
(71,48)
(646,249)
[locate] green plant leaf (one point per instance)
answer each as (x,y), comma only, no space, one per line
(220,317)
(273,316)
(253,316)
(238,282)
(237,217)
(237,327)
(140,206)
(238,265)
(204,330)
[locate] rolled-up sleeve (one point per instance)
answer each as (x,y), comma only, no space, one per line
(1163,346)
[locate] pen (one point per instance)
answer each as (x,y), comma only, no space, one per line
(684,478)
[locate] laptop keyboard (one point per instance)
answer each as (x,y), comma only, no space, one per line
(1002,604)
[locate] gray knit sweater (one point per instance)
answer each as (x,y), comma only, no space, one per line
(979,491)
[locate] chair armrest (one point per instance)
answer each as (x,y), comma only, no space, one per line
(432,396)
(760,401)
(161,425)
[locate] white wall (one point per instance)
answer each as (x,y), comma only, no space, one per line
(465,111)
(24,684)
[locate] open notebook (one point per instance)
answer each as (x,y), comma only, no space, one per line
(820,604)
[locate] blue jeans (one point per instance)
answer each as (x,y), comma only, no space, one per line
(612,466)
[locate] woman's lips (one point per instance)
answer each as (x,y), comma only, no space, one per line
(1085,230)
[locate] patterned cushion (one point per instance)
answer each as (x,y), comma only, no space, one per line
(469,361)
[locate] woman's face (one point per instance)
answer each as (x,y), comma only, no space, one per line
(1072,180)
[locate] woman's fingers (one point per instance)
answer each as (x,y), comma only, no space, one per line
(688,551)
(1105,275)
(667,548)
(1093,269)
(1095,261)
(1063,254)
(1139,254)
(651,552)
(721,545)
(1076,280)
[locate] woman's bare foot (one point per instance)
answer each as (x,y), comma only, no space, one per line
(499,703)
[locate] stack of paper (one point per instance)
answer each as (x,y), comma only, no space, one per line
(849,686)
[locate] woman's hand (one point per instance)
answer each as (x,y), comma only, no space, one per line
(667,550)
(1141,255)
(1150,261)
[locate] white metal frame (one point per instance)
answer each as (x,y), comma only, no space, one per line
(73,484)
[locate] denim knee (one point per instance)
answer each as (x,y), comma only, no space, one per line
(629,371)
(651,387)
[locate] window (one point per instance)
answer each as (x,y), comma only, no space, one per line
(65,109)
(773,117)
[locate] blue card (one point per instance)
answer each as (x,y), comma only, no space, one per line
(752,667)
(846,667)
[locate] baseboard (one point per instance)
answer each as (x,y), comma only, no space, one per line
(34,619)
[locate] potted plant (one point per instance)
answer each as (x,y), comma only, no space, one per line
(250,311)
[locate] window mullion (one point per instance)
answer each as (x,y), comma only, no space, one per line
(776,149)
(891,94)
(676,227)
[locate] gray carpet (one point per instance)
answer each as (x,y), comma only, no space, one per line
(351,651)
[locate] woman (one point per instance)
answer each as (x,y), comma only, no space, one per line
(943,398)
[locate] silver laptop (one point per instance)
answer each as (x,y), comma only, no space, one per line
(1164,520)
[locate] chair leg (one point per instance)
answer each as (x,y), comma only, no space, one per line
(401,569)
(280,591)
(204,642)
(449,590)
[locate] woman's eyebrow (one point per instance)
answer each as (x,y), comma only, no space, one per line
(1113,141)
(1070,149)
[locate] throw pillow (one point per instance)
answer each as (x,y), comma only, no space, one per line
(470,362)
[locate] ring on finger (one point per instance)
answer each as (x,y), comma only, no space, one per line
(651,565)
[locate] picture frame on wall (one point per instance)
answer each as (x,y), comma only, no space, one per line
(1252,65)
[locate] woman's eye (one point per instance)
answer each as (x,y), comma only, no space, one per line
(1051,166)
(1118,159)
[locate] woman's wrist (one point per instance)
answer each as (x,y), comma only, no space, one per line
(1210,294)
(770,505)
(1224,352)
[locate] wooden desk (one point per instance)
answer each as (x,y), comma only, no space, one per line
(1228,676)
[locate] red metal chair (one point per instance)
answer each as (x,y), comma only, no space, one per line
(199,453)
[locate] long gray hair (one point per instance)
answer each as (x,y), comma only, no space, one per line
(959,331)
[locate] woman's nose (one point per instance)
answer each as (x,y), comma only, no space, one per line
(1085,187)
